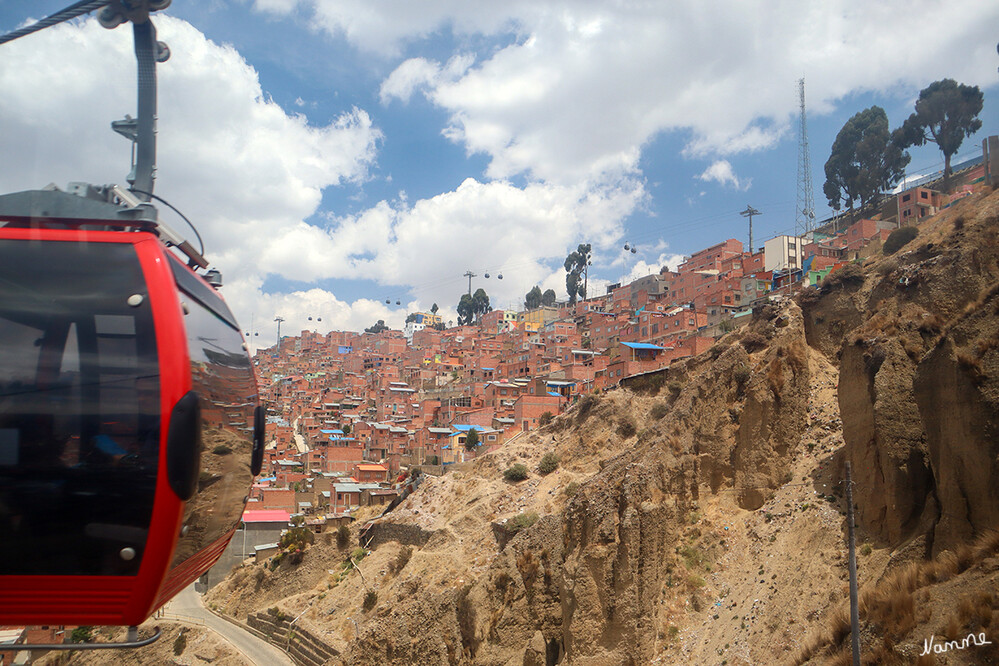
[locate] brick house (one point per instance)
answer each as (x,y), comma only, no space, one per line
(529,408)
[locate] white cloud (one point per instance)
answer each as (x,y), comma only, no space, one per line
(249,174)
(244,170)
(643,268)
(722,173)
(411,74)
(578,88)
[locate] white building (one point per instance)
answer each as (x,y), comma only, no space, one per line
(782,253)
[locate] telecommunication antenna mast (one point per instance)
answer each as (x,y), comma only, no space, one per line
(804,211)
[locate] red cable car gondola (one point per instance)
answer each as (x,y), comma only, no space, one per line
(130,428)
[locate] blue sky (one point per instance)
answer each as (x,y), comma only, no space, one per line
(338,154)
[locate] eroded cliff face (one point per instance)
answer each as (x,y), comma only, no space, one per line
(588,584)
(957,391)
(915,380)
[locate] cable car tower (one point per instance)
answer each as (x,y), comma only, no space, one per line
(804,210)
(109,202)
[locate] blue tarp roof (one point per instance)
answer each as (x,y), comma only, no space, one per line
(554,393)
(332,432)
(466,428)
(641,345)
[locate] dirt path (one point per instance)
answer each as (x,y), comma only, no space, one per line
(186,607)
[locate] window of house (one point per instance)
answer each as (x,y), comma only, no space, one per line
(906,197)
(924,195)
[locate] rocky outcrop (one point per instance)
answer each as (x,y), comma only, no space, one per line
(957,391)
(886,444)
(918,414)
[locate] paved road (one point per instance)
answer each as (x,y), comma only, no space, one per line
(187,606)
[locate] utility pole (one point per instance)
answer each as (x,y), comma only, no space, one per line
(854,605)
(469,275)
(750,212)
(279,320)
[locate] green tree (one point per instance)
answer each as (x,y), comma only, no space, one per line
(471,440)
(480,302)
(470,307)
(378,327)
(865,160)
(410,317)
(946,112)
(549,297)
(466,310)
(575,267)
(532,300)
(346,428)
(434,309)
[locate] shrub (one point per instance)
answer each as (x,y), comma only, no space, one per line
(584,406)
(180,643)
(222,450)
(626,428)
(851,274)
(516,472)
(549,463)
(342,537)
(401,559)
(297,538)
(898,239)
(741,375)
(571,489)
(370,599)
(545,419)
(358,554)
(659,410)
(520,522)
(753,342)
(84,634)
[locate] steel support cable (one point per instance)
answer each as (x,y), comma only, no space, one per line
(74,10)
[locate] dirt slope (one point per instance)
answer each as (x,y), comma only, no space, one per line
(697,516)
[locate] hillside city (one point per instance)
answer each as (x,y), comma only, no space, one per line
(350,413)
